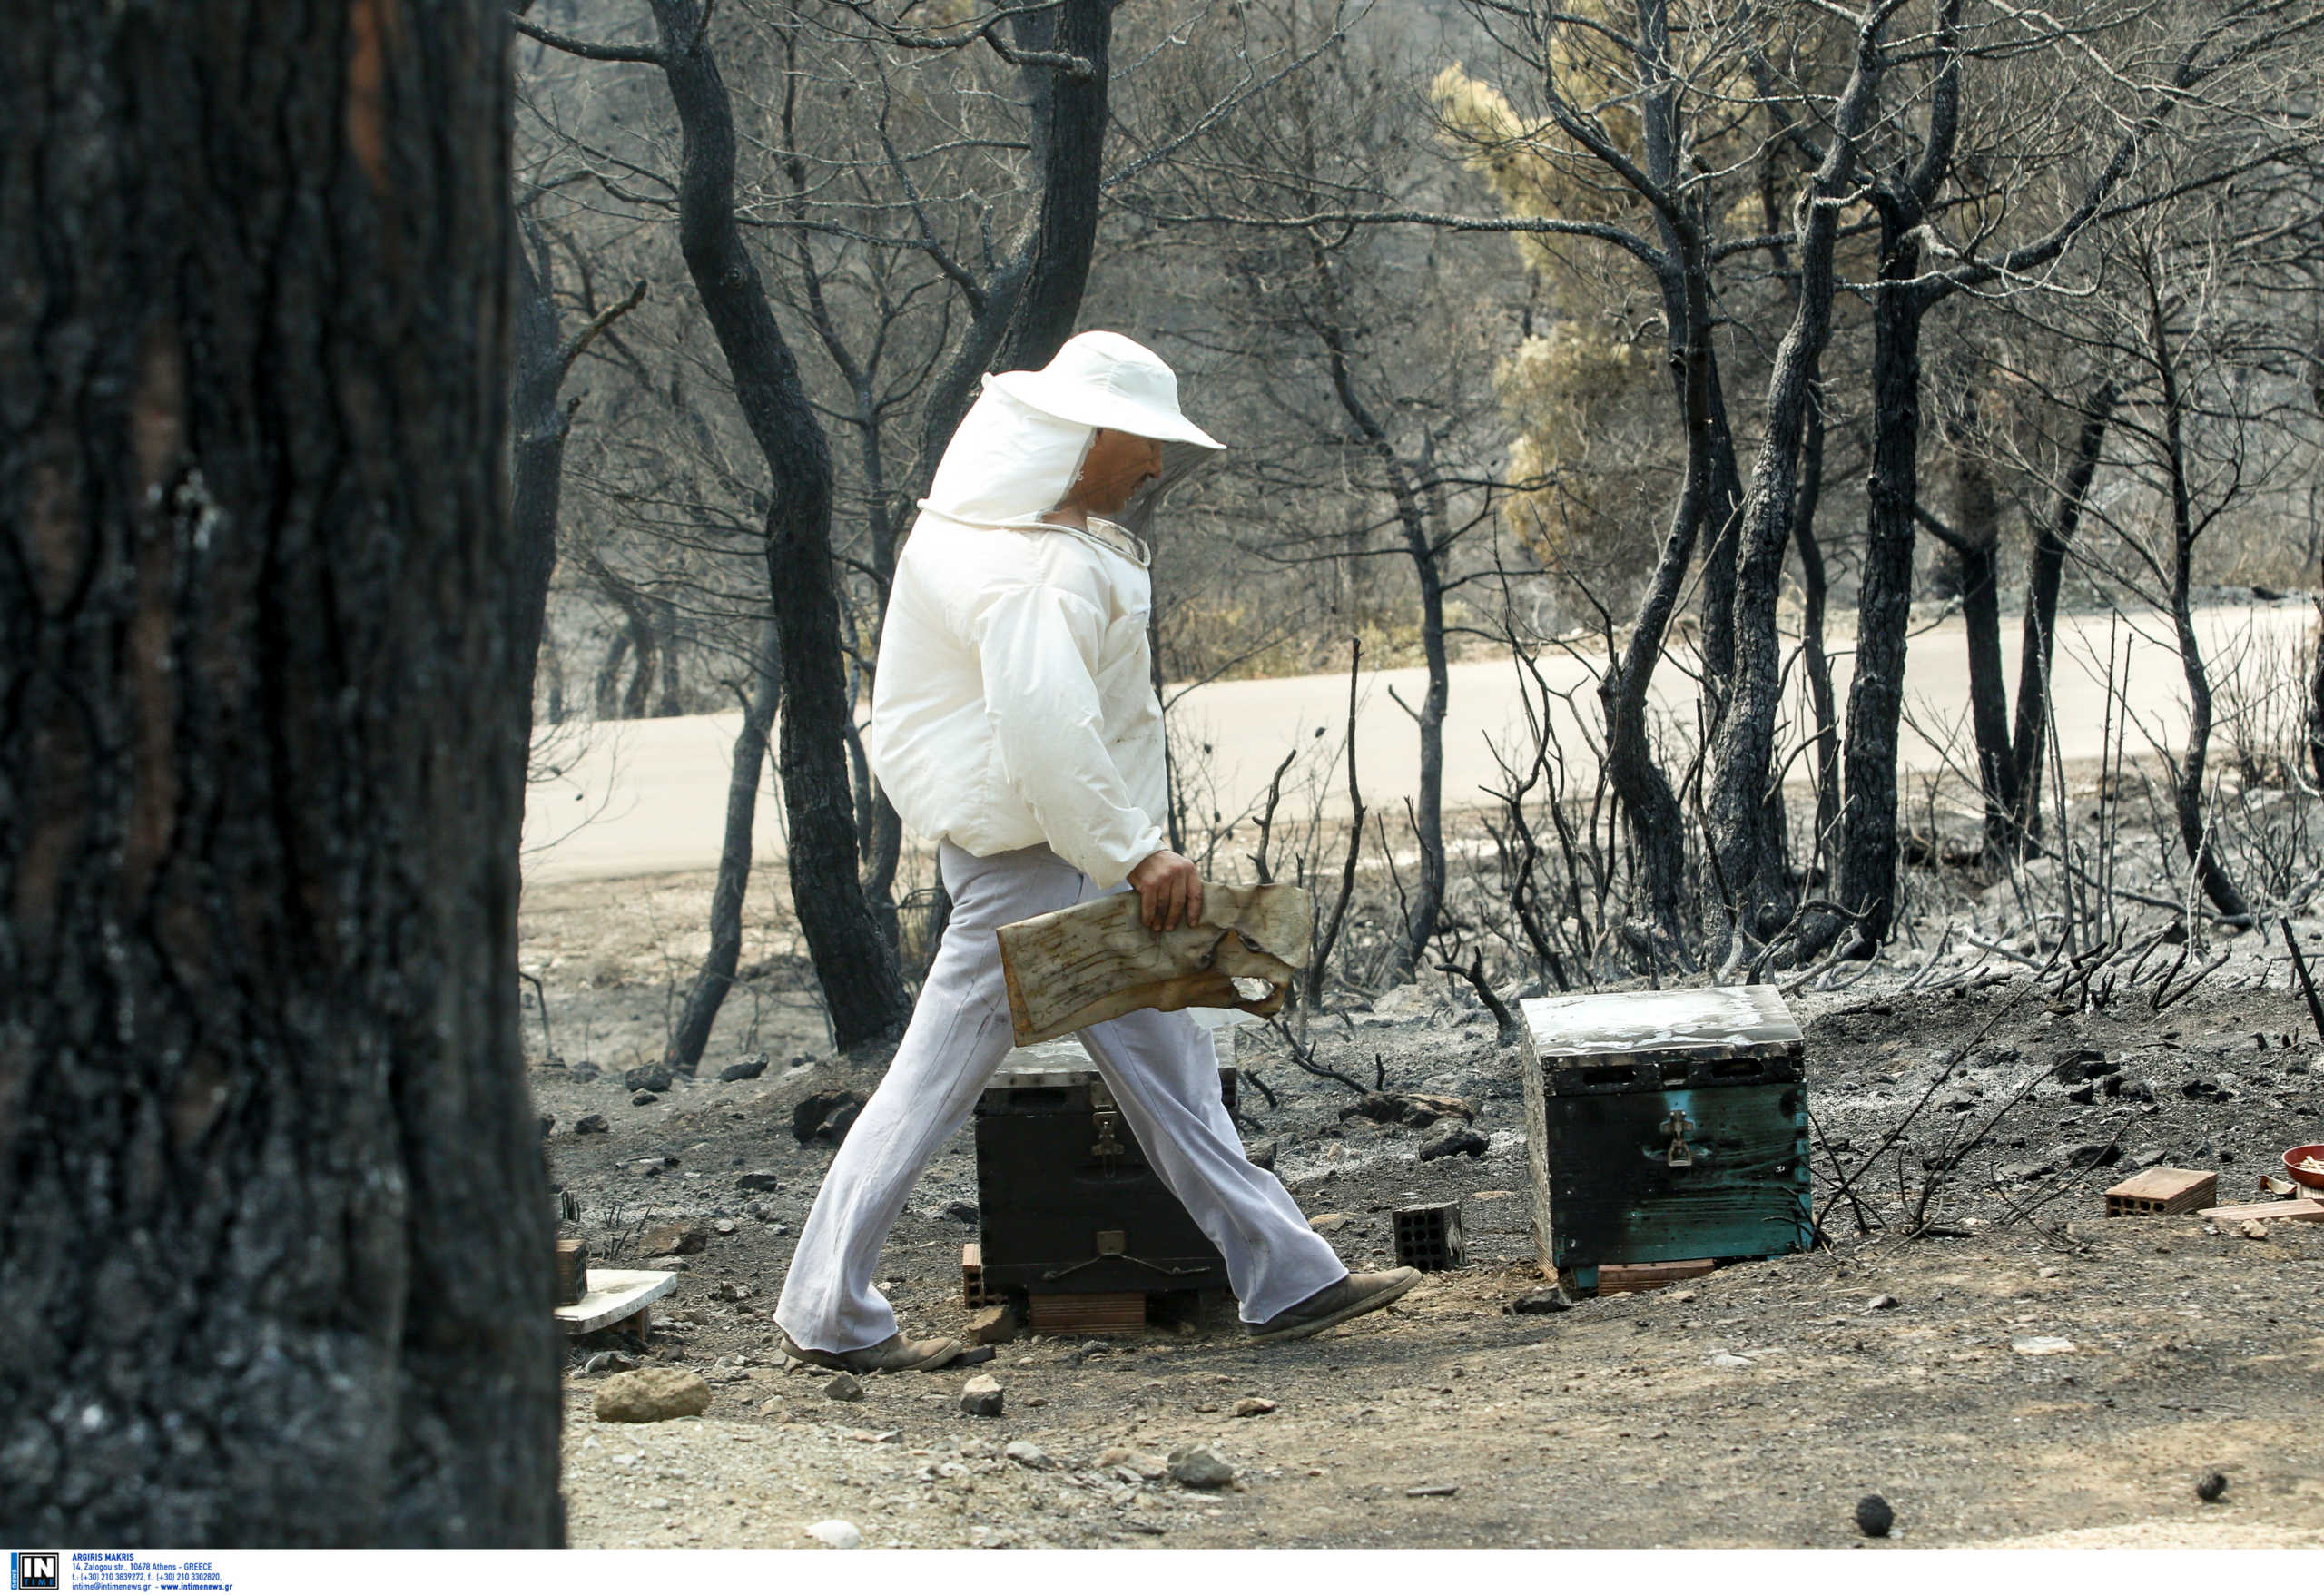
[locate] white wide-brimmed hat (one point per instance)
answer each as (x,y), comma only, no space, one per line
(1104,379)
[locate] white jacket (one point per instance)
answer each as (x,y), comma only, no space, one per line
(1014,703)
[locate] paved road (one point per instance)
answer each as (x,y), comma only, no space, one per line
(647,797)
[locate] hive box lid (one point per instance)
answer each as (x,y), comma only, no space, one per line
(1702,1021)
(1066,1062)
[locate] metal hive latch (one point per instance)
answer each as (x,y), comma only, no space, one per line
(1677,1128)
(1107,1115)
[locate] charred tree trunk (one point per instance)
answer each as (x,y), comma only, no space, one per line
(1815,589)
(2045,573)
(1867,864)
(716,976)
(273,1219)
(1741,767)
(606,697)
(1975,544)
(1643,790)
(863,988)
(2194,833)
(644,647)
(1864,870)
(538,455)
(544,356)
(1405,492)
(1723,504)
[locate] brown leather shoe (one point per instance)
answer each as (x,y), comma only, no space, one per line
(895,1355)
(1352,1297)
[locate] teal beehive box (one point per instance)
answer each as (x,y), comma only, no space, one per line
(1664,1127)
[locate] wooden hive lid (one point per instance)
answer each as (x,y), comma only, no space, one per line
(1062,1062)
(1698,1021)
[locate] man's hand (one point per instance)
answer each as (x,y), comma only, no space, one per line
(1170,891)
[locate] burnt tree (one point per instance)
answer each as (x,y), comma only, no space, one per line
(863,988)
(716,976)
(1905,292)
(2045,574)
(541,420)
(1749,868)
(273,1218)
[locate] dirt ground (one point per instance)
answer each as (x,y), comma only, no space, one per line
(1751,1407)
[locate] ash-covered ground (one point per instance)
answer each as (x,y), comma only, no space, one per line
(2043,1374)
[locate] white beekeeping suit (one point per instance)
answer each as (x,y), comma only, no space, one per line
(1015,701)
(1014,722)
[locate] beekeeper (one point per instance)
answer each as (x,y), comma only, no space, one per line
(1014,723)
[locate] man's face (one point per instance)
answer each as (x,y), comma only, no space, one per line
(1118,465)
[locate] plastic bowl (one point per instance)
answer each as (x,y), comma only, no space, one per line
(2306,1176)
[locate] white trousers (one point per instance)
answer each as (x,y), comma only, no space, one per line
(1160,1067)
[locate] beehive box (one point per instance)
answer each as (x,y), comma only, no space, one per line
(1664,1127)
(1066,1204)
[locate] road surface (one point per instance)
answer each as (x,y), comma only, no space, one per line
(645,797)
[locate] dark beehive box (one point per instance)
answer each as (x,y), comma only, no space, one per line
(1665,1126)
(1065,1202)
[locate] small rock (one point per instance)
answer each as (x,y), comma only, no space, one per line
(844,1386)
(1455,1143)
(1025,1454)
(1328,1223)
(973,1356)
(982,1396)
(649,1395)
(591,1124)
(2024,1173)
(1144,1464)
(775,1406)
(1542,1301)
(674,1240)
(825,1115)
(647,1076)
(836,1533)
(2211,1485)
(758,1180)
(609,1362)
(1420,1490)
(2253,1230)
(2091,1155)
(1200,1467)
(1727,1360)
(734,1290)
(2042,1345)
(724,1227)
(960,1210)
(643,1099)
(582,1072)
(995,1326)
(748,1068)
(1261,1154)
(1254,1407)
(1880,1304)
(2052,1272)
(2084,1094)
(1875,1516)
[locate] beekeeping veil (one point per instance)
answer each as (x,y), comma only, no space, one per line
(1022,443)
